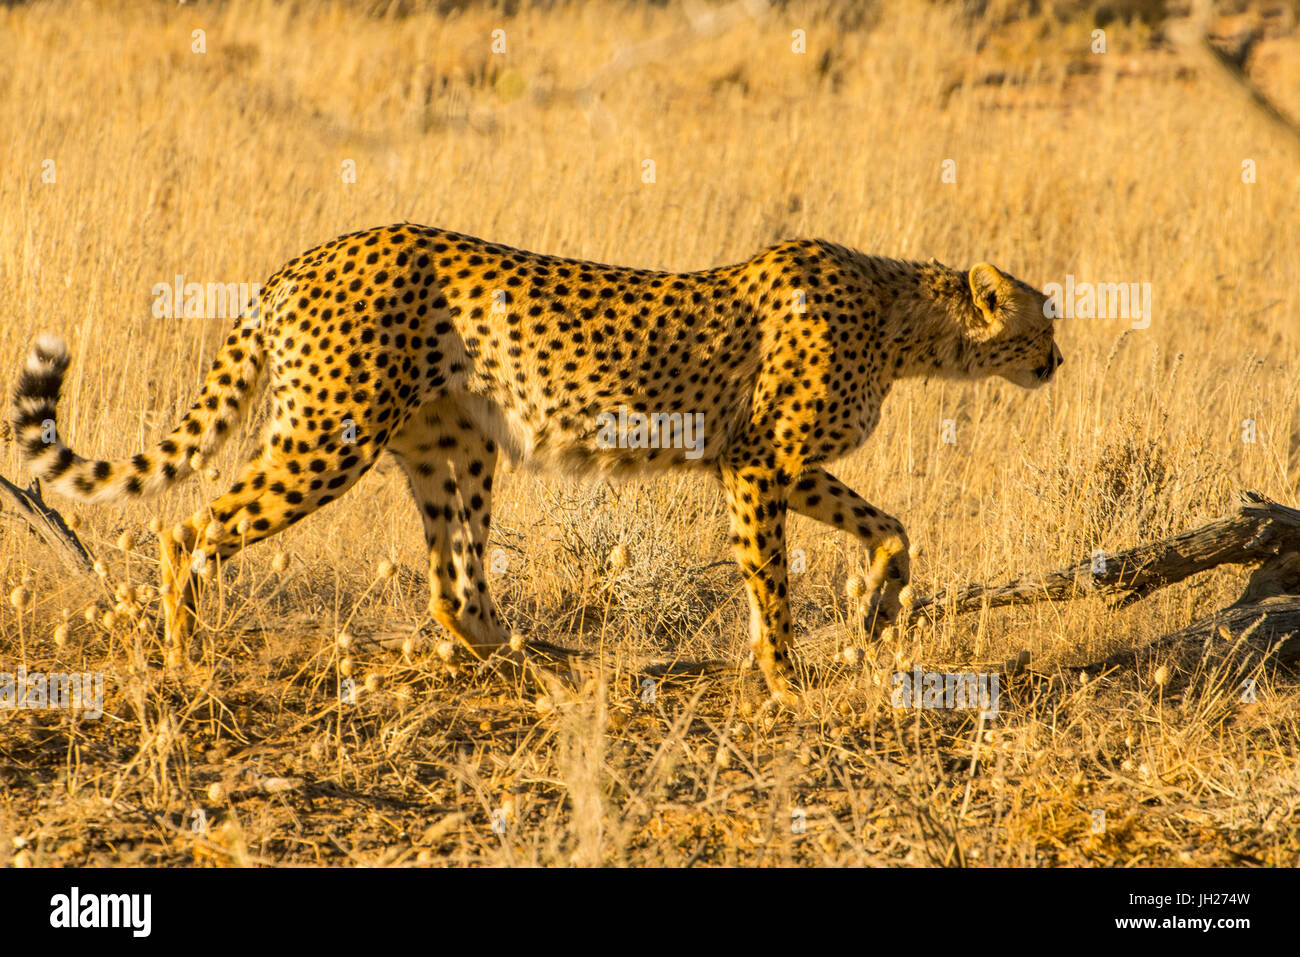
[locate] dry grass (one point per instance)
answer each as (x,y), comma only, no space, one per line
(224,164)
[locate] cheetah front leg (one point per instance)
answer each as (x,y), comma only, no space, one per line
(820,495)
(756,500)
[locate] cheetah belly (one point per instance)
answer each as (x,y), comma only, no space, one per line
(617,436)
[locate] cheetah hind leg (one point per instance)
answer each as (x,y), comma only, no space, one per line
(450,468)
(266,498)
(178,588)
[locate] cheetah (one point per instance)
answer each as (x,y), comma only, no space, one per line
(450,352)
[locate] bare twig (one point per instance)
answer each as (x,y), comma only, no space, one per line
(28,505)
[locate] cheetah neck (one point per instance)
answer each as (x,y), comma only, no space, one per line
(925,323)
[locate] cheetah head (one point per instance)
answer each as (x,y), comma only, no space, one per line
(1010,323)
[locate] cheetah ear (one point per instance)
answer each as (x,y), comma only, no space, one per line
(991,292)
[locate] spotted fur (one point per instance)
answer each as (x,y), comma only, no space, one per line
(450,351)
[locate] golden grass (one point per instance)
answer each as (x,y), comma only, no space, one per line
(221,165)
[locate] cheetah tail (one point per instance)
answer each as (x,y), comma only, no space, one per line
(223,401)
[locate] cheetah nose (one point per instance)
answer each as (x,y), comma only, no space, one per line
(1048,369)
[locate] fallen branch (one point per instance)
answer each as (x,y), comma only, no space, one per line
(1258,532)
(1234,642)
(1237,640)
(28,505)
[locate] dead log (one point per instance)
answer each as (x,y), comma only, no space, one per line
(1260,628)
(28,505)
(1258,533)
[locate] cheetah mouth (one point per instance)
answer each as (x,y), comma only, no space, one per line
(1032,378)
(1043,374)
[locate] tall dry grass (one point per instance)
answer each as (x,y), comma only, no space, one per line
(221,165)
